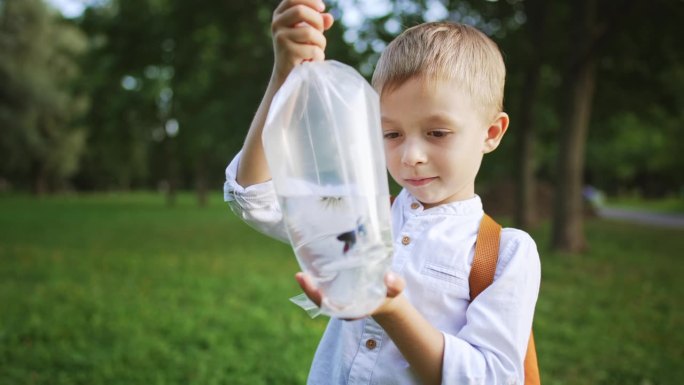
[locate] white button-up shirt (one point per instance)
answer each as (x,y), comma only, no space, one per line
(485,340)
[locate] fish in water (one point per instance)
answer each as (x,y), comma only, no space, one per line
(349,238)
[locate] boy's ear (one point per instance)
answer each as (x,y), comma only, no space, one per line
(496,130)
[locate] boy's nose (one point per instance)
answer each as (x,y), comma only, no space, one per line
(413,154)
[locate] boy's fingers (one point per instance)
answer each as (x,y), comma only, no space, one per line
(304,52)
(306,35)
(328,21)
(312,53)
(285,4)
(309,289)
(319,55)
(295,15)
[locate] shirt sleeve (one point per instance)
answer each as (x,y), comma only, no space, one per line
(257,204)
(491,347)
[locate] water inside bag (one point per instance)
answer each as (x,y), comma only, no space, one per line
(331,240)
(324,146)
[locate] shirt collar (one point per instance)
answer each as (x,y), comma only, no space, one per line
(411,205)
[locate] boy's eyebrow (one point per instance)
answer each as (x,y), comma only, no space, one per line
(441,119)
(437,118)
(387,120)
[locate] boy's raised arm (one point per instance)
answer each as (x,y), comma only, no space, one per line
(297,29)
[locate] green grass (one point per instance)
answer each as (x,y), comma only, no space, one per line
(613,315)
(123,290)
(672,205)
(120,289)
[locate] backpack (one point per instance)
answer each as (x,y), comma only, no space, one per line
(482,275)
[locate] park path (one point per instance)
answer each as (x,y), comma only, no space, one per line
(643,217)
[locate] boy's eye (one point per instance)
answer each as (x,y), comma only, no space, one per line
(390,135)
(438,133)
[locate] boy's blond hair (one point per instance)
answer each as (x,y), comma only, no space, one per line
(445,51)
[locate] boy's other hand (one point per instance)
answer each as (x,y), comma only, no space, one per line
(311,291)
(394,283)
(395,286)
(297,29)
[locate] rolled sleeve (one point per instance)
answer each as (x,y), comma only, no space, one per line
(491,347)
(257,205)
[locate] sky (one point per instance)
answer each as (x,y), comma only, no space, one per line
(352,13)
(69,8)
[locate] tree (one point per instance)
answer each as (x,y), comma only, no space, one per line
(534,43)
(638,108)
(40,144)
(578,92)
(128,82)
(579,83)
(176,85)
(222,59)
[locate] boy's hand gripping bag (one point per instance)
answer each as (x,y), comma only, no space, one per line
(323,144)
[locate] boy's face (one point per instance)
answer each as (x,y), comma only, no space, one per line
(435,138)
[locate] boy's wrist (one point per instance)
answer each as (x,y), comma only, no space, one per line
(277,79)
(390,308)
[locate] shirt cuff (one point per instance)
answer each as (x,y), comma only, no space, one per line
(462,362)
(248,197)
(257,204)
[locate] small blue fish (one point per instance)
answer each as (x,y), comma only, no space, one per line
(349,238)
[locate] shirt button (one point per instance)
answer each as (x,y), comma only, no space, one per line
(371,344)
(405,240)
(415,205)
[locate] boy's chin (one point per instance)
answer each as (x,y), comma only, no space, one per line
(425,200)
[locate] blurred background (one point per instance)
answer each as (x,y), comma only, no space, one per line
(119,262)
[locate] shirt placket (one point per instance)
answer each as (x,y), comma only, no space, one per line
(404,243)
(368,351)
(373,335)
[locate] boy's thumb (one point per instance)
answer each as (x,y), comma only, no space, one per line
(395,284)
(328,21)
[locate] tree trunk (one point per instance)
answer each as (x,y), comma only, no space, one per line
(579,86)
(525,214)
(201,181)
(171,171)
(40,178)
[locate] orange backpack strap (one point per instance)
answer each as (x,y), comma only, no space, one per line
(531,365)
(486,256)
(482,275)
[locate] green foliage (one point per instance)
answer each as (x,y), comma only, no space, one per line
(128,81)
(638,152)
(40,143)
(120,289)
(203,64)
(639,114)
(638,99)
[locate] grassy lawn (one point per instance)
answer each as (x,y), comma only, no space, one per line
(119,289)
(671,205)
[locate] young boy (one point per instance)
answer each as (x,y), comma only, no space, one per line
(441,92)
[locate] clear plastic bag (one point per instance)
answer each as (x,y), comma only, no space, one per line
(323,144)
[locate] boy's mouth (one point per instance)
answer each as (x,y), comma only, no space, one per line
(416,182)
